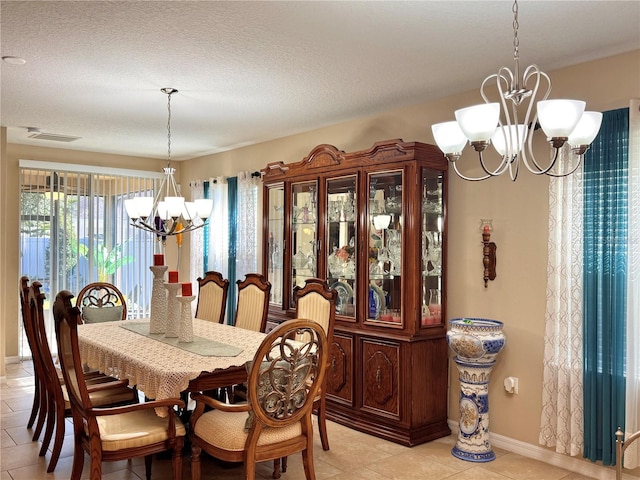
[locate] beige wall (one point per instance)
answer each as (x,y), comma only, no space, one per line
(518,210)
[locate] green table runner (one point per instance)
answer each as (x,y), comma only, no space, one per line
(199,346)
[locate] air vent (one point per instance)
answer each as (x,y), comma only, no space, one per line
(54,137)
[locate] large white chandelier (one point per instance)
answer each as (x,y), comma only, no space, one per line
(168,215)
(501,123)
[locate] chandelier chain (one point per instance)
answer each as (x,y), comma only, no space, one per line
(169,129)
(516,40)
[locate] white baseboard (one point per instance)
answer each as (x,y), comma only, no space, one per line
(10,360)
(542,454)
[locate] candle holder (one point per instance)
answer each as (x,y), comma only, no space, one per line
(173,310)
(185,330)
(158,321)
(488,252)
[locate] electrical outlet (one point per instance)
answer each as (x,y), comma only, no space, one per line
(511,385)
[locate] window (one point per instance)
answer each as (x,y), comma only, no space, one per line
(74,230)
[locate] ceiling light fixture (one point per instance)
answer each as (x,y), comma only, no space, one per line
(12,60)
(169,215)
(500,123)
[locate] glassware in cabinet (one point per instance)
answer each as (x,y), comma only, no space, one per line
(304,241)
(432,215)
(275,242)
(384,302)
(341,242)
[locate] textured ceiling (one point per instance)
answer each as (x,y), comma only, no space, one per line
(248,72)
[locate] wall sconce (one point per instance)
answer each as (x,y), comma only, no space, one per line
(488,251)
(382,221)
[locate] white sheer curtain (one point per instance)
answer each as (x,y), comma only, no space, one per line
(218,259)
(561,425)
(196,246)
(247,242)
(632,414)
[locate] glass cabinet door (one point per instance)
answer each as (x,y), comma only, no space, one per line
(275,265)
(341,242)
(385,248)
(304,213)
(432,232)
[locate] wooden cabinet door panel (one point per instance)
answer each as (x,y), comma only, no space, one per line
(340,369)
(380,377)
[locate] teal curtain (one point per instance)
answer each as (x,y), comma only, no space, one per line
(232,195)
(605,285)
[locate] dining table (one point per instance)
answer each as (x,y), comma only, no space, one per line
(163,367)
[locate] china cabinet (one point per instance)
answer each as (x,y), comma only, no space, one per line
(373,224)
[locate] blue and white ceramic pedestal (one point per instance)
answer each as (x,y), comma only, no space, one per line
(473,435)
(476,343)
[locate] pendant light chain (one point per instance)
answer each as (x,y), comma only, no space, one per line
(516,40)
(169,129)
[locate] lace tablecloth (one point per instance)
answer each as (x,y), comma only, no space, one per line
(161,371)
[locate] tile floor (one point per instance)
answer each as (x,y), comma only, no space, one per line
(353,455)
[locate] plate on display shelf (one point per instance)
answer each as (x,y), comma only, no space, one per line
(379,298)
(345,294)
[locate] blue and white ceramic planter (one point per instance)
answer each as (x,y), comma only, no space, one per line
(476,343)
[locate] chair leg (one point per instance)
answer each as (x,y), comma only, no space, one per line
(78,460)
(250,469)
(147,466)
(195,462)
(176,461)
(42,413)
(322,424)
(276,468)
(307,462)
(51,422)
(36,404)
(59,438)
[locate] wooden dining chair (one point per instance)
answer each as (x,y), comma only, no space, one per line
(39,406)
(116,433)
(284,378)
(104,390)
(316,302)
(101,302)
(212,297)
(253,302)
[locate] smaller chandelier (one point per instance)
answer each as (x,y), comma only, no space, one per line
(503,125)
(171,214)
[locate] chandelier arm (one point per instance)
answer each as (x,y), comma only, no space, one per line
(513,162)
(464,177)
(575,167)
(504,163)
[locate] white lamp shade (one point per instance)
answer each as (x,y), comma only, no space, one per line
(558,118)
(205,206)
(586,129)
(131,208)
(190,211)
(380,222)
(509,140)
(163,213)
(479,122)
(174,206)
(449,137)
(139,207)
